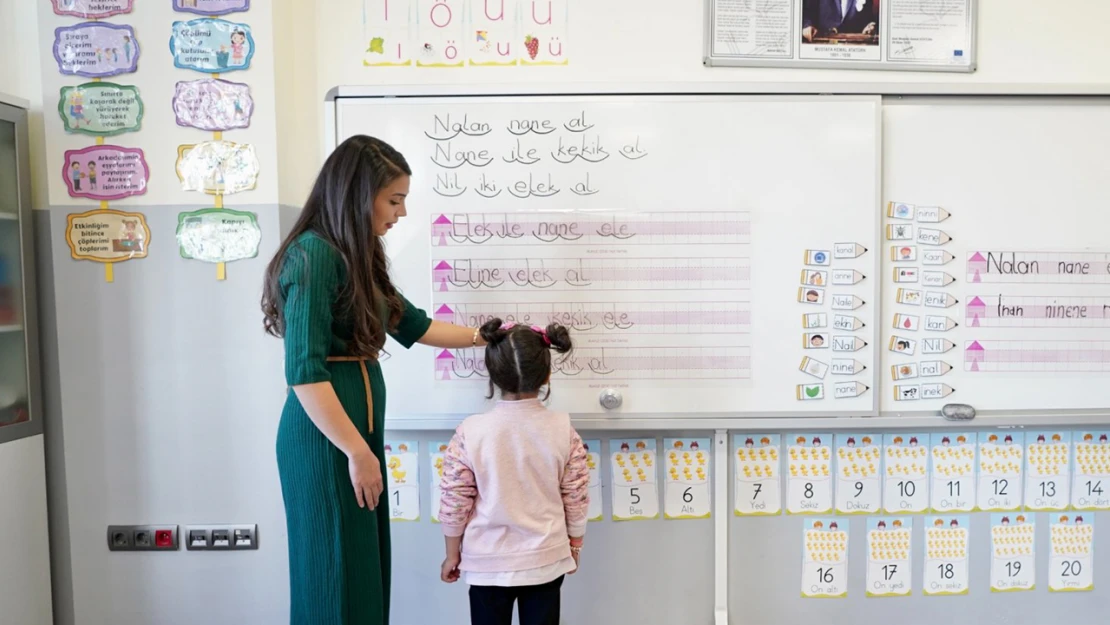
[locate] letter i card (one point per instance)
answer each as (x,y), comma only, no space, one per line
(388,33)
(1072,544)
(946,555)
(1091,490)
(1001,456)
(635,488)
(905,479)
(686,493)
(809,485)
(593,462)
(758,474)
(858,473)
(955,461)
(436,463)
(889,555)
(825,559)
(402,480)
(1047,470)
(1013,538)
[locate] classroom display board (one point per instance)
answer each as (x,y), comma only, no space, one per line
(711,254)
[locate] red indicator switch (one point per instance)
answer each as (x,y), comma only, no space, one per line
(163,538)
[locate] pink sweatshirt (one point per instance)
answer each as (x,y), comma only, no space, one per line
(515,487)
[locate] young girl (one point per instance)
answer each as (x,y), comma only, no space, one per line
(514,501)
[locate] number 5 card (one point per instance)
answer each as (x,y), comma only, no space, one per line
(635,488)
(825,565)
(686,494)
(758,474)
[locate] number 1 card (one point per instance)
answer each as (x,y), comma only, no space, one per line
(403,480)
(635,488)
(686,494)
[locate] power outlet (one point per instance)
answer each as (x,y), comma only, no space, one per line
(221,537)
(142,538)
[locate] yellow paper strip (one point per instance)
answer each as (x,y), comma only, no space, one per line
(103,205)
(100,140)
(218,136)
(219,200)
(221,271)
(109,273)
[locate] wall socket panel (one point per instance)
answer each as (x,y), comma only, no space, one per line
(143,538)
(221,537)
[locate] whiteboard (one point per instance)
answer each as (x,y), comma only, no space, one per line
(1025,184)
(672,233)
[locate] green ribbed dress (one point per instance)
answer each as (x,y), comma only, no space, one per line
(339,559)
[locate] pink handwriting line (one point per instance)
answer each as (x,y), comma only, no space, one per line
(625,319)
(625,363)
(587,227)
(1035,279)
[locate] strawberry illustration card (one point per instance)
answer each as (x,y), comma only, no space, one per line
(825,559)
(402,480)
(1072,549)
(593,462)
(1091,487)
(810,485)
(1013,542)
(635,488)
(686,494)
(858,473)
(758,472)
(905,479)
(889,556)
(954,462)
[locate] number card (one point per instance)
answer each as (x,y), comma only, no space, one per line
(593,462)
(436,462)
(889,554)
(1047,470)
(1000,466)
(403,481)
(1071,567)
(905,487)
(810,486)
(758,474)
(1091,490)
(946,559)
(858,467)
(825,567)
(953,456)
(1012,553)
(686,492)
(635,489)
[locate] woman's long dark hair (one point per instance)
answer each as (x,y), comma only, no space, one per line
(340,211)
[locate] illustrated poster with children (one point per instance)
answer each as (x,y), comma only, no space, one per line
(1013,539)
(436,462)
(906,462)
(946,555)
(858,470)
(758,474)
(635,488)
(810,485)
(889,556)
(954,463)
(403,480)
(593,463)
(211,46)
(1047,470)
(1072,545)
(825,559)
(1091,487)
(686,493)
(1001,459)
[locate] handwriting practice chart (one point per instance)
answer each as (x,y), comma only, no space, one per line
(635,486)
(758,475)
(687,495)
(889,556)
(589,211)
(858,473)
(946,555)
(402,481)
(825,563)
(1072,549)
(593,463)
(1013,542)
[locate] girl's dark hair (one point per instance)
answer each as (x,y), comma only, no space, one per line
(340,210)
(518,359)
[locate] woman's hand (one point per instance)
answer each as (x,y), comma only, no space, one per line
(449,570)
(366,477)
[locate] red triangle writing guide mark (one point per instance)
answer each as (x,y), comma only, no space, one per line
(975,321)
(975,365)
(976,278)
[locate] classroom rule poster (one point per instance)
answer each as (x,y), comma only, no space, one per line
(1001,459)
(686,493)
(1013,542)
(889,556)
(1091,485)
(402,480)
(905,483)
(758,474)
(858,471)
(635,487)
(1048,460)
(810,484)
(954,465)
(435,462)
(825,559)
(593,463)
(1072,548)
(946,555)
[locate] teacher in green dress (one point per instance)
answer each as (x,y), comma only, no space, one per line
(328,294)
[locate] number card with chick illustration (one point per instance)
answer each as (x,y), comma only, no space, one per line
(593,462)
(635,488)
(905,483)
(1000,468)
(889,556)
(435,463)
(1047,470)
(686,493)
(758,474)
(953,456)
(1072,548)
(858,473)
(1091,487)
(825,563)
(810,485)
(402,480)
(1013,542)
(946,555)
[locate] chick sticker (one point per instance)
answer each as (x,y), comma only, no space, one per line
(635,489)
(810,484)
(1072,545)
(758,480)
(1001,458)
(1091,490)
(858,471)
(946,555)
(889,555)
(436,462)
(402,480)
(1013,538)
(825,559)
(954,462)
(686,492)
(905,472)
(593,462)
(1048,461)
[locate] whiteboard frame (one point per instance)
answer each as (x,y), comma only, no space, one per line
(709,60)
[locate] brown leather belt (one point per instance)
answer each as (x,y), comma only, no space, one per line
(365,382)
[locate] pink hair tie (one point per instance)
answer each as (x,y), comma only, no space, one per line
(536,329)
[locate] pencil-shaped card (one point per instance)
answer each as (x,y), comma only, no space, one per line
(1091,487)
(1047,470)
(686,493)
(593,462)
(954,461)
(889,556)
(1072,545)
(1013,563)
(905,473)
(825,559)
(635,488)
(858,473)
(809,483)
(946,555)
(436,463)
(1001,458)
(758,474)
(403,480)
